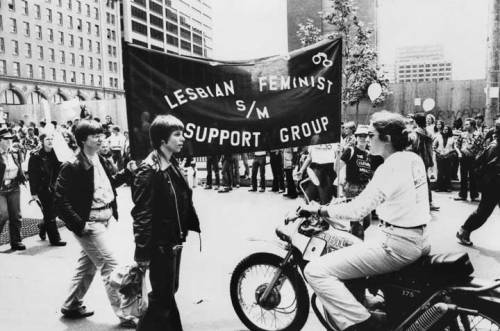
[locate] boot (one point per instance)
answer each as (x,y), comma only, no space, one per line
(463,237)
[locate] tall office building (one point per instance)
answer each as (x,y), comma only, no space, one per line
(422,64)
(298,11)
(171,26)
(58,50)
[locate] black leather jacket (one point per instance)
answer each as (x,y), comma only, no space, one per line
(43,168)
(74,191)
(163,211)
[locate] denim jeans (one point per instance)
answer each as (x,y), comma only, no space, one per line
(10,209)
(390,250)
(95,254)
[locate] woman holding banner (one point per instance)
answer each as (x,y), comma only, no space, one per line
(163,203)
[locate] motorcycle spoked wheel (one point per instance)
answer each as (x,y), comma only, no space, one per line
(286,309)
(488,319)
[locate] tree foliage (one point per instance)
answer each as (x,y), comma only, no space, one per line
(360,58)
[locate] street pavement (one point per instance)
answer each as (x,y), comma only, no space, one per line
(33,283)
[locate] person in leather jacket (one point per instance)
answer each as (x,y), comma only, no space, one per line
(43,168)
(163,214)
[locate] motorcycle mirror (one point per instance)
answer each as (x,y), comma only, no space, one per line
(312,176)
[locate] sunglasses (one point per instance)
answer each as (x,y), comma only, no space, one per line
(362,135)
(371,134)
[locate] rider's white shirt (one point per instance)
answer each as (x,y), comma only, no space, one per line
(403,181)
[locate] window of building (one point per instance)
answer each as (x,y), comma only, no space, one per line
(60,18)
(89,28)
(171,15)
(70,4)
(186,34)
(155,20)
(157,8)
(40,52)
(115,66)
(10,97)
(63,57)
(11,4)
(73,77)
(185,45)
(59,3)
(57,98)
(198,50)
(16,69)
(80,42)
(113,35)
(38,32)
(70,21)
(50,33)
(61,38)
(116,82)
(52,55)
(48,11)
(139,28)
(197,39)
(26,28)
(79,24)
(87,10)
(89,42)
(15,47)
(71,40)
(82,61)
(91,62)
(156,48)
(110,66)
(140,2)
(3,67)
(2,45)
(155,34)
(140,43)
(171,40)
(82,78)
(63,75)
(99,66)
(53,74)
(24,7)
(110,82)
(96,13)
(38,12)
(171,27)
(72,55)
(97,32)
(184,21)
(29,70)
(13,25)
(98,47)
(41,72)
(114,51)
(28,49)
(79,6)
(110,50)
(99,80)
(91,79)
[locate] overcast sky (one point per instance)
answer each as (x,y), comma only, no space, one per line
(246,29)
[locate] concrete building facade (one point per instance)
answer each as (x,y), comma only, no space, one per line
(58,50)
(171,26)
(423,63)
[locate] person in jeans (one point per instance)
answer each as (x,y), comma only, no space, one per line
(259,164)
(11,176)
(276,160)
(289,161)
(43,168)
(468,146)
(227,173)
(402,202)
(85,199)
(212,164)
(163,214)
(444,147)
(489,161)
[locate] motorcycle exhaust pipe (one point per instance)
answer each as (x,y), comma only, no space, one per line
(431,316)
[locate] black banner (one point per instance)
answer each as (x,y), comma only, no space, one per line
(234,107)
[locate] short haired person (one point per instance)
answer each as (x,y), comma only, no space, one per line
(43,169)
(401,202)
(11,177)
(163,214)
(489,161)
(86,202)
(468,145)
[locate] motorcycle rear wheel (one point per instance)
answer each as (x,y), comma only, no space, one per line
(262,266)
(488,319)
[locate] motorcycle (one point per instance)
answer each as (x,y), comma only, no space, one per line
(437,292)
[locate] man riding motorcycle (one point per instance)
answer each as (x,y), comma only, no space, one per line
(398,191)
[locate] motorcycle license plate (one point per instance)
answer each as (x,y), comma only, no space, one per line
(314,249)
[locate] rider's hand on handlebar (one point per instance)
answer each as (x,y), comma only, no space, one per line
(307,210)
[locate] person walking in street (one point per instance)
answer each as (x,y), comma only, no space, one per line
(468,147)
(11,177)
(421,144)
(85,200)
(43,169)
(116,144)
(212,165)
(163,214)
(235,163)
(276,160)
(259,164)
(444,147)
(488,165)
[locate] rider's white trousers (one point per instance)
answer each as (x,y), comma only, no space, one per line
(388,249)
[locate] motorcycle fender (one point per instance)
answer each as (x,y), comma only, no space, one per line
(270,246)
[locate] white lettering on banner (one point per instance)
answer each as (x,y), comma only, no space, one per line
(222,136)
(261,112)
(181,96)
(298,132)
(280,83)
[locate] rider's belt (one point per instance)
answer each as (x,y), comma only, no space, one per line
(106,206)
(388,225)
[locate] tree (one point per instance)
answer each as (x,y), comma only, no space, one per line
(360,68)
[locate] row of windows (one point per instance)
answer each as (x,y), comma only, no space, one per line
(426,70)
(112,50)
(422,75)
(54,74)
(25,9)
(426,65)
(422,80)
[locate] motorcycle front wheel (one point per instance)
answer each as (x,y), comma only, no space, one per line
(286,307)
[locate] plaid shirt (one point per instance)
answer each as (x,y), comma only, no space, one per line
(470,144)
